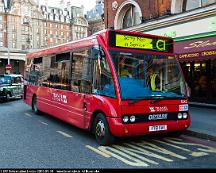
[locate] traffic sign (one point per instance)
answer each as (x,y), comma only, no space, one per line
(8,67)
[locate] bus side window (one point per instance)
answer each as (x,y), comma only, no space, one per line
(81,71)
(103,82)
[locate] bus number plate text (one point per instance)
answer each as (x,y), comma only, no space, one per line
(157,128)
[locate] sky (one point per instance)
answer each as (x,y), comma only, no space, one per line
(88,4)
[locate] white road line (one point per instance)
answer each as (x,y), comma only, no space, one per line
(64,134)
(43,123)
(27,114)
(97,151)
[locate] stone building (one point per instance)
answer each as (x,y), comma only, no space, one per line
(29,26)
(95,18)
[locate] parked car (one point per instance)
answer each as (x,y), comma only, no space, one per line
(11,86)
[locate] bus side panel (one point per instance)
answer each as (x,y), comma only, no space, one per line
(108,106)
(30,90)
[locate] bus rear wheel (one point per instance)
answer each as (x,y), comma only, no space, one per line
(101,130)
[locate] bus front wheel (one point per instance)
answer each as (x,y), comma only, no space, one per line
(101,130)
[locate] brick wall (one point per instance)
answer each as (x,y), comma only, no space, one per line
(149,8)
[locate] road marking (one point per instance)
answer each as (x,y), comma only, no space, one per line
(133,152)
(27,114)
(43,123)
(97,151)
(64,134)
(146,153)
(122,156)
(194,154)
(140,150)
(204,149)
(156,148)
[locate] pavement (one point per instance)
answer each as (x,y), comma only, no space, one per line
(203,122)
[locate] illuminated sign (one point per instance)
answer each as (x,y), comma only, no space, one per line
(143,42)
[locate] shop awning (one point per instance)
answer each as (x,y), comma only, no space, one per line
(197,49)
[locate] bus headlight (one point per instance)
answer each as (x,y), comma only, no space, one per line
(179,115)
(132,119)
(185,115)
(125,119)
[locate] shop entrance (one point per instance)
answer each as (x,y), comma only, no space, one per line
(201,79)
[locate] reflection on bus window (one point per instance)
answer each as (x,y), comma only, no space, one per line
(81,71)
(103,81)
(141,75)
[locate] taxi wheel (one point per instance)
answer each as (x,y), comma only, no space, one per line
(101,130)
(7,98)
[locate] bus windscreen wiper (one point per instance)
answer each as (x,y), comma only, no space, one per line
(144,98)
(153,99)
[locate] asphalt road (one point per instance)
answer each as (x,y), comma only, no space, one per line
(41,141)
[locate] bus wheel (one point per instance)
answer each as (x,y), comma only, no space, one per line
(34,105)
(101,130)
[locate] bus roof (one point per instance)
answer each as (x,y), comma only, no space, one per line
(108,36)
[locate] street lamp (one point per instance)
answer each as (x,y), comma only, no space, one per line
(7,6)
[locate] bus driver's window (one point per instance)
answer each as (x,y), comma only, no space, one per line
(103,82)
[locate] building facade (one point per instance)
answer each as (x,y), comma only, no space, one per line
(191,23)
(95,18)
(27,27)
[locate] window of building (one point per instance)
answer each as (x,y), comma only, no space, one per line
(208,2)
(1,8)
(0,18)
(1,43)
(128,14)
(179,6)
(191,4)
(14,45)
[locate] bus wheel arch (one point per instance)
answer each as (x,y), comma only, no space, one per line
(101,129)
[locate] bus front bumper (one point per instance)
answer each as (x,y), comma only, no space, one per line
(118,129)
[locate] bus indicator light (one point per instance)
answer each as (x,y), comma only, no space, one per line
(183,107)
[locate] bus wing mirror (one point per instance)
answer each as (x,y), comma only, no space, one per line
(95,53)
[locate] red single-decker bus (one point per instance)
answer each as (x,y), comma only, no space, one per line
(114,83)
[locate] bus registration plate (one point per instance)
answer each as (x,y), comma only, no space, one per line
(157,128)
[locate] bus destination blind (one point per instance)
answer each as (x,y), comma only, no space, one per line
(142,42)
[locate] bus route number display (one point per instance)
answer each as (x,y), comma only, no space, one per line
(140,42)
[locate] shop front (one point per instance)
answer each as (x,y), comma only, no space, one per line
(198,61)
